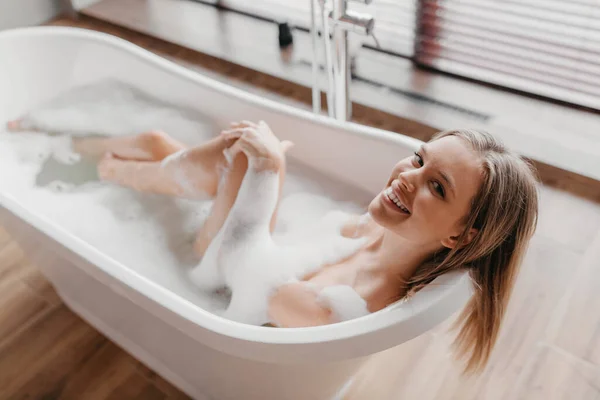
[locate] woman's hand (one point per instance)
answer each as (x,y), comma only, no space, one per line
(257,141)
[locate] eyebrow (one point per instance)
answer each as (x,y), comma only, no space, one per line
(442,174)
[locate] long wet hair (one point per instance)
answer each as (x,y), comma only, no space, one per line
(504,212)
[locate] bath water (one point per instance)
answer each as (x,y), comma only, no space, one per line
(151,234)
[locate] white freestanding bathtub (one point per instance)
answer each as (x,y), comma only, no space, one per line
(204,355)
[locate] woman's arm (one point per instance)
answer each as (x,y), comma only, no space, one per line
(296,305)
(299,304)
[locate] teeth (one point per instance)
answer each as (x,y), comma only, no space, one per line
(395,200)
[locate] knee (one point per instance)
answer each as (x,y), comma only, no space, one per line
(152,140)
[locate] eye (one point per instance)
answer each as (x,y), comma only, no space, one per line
(438,188)
(418,159)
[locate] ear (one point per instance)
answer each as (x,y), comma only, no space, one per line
(452,241)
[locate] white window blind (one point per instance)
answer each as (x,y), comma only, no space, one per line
(394,19)
(545,47)
(549,48)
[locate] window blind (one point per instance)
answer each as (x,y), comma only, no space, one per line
(545,47)
(549,48)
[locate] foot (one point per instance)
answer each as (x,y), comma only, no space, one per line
(14,126)
(154,177)
(108,167)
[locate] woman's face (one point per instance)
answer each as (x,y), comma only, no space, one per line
(428,195)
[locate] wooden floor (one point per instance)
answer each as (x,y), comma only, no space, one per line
(549,347)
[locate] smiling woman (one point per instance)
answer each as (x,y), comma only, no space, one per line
(443,209)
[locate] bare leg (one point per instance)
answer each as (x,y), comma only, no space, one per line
(191,172)
(147,146)
(226,195)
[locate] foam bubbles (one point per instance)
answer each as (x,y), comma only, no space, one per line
(150,234)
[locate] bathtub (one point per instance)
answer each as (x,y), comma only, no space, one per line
(204,355)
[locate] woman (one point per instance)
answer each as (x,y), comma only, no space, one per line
(461,202)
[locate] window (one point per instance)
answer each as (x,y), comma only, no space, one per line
(544,47)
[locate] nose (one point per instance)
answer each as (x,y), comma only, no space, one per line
(406,182)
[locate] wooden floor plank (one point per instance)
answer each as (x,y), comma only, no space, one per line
(13,264)
(577,329)
(107,370)
(558,375)
(38,363)
(567,219)
(19,305)
(41,287)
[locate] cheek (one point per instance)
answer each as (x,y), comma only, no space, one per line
(432,215)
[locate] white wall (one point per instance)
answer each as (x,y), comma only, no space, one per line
(16,13)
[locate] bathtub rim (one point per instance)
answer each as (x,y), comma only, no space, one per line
(342,331)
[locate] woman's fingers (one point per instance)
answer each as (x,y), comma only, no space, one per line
(240,129)
(234,133)
(244,124)
(250,124)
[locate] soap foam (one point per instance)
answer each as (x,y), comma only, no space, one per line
(151,234)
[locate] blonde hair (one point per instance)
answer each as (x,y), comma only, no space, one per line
(504,212)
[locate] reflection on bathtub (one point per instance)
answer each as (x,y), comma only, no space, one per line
(150,234)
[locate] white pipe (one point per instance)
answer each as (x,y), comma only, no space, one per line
(328,61)
(341,62)
(316,90)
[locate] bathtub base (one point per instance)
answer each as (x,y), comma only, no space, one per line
(195,368)
(132,348)
(196,384)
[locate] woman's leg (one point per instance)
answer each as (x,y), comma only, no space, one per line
(147,146)
(138,162)
(191,172)
(197,170)
(231,180)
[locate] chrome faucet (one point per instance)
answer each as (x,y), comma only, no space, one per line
(340,20)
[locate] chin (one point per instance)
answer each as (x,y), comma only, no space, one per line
(378,213)
(383,216)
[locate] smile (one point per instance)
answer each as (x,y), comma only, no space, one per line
(389,193)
